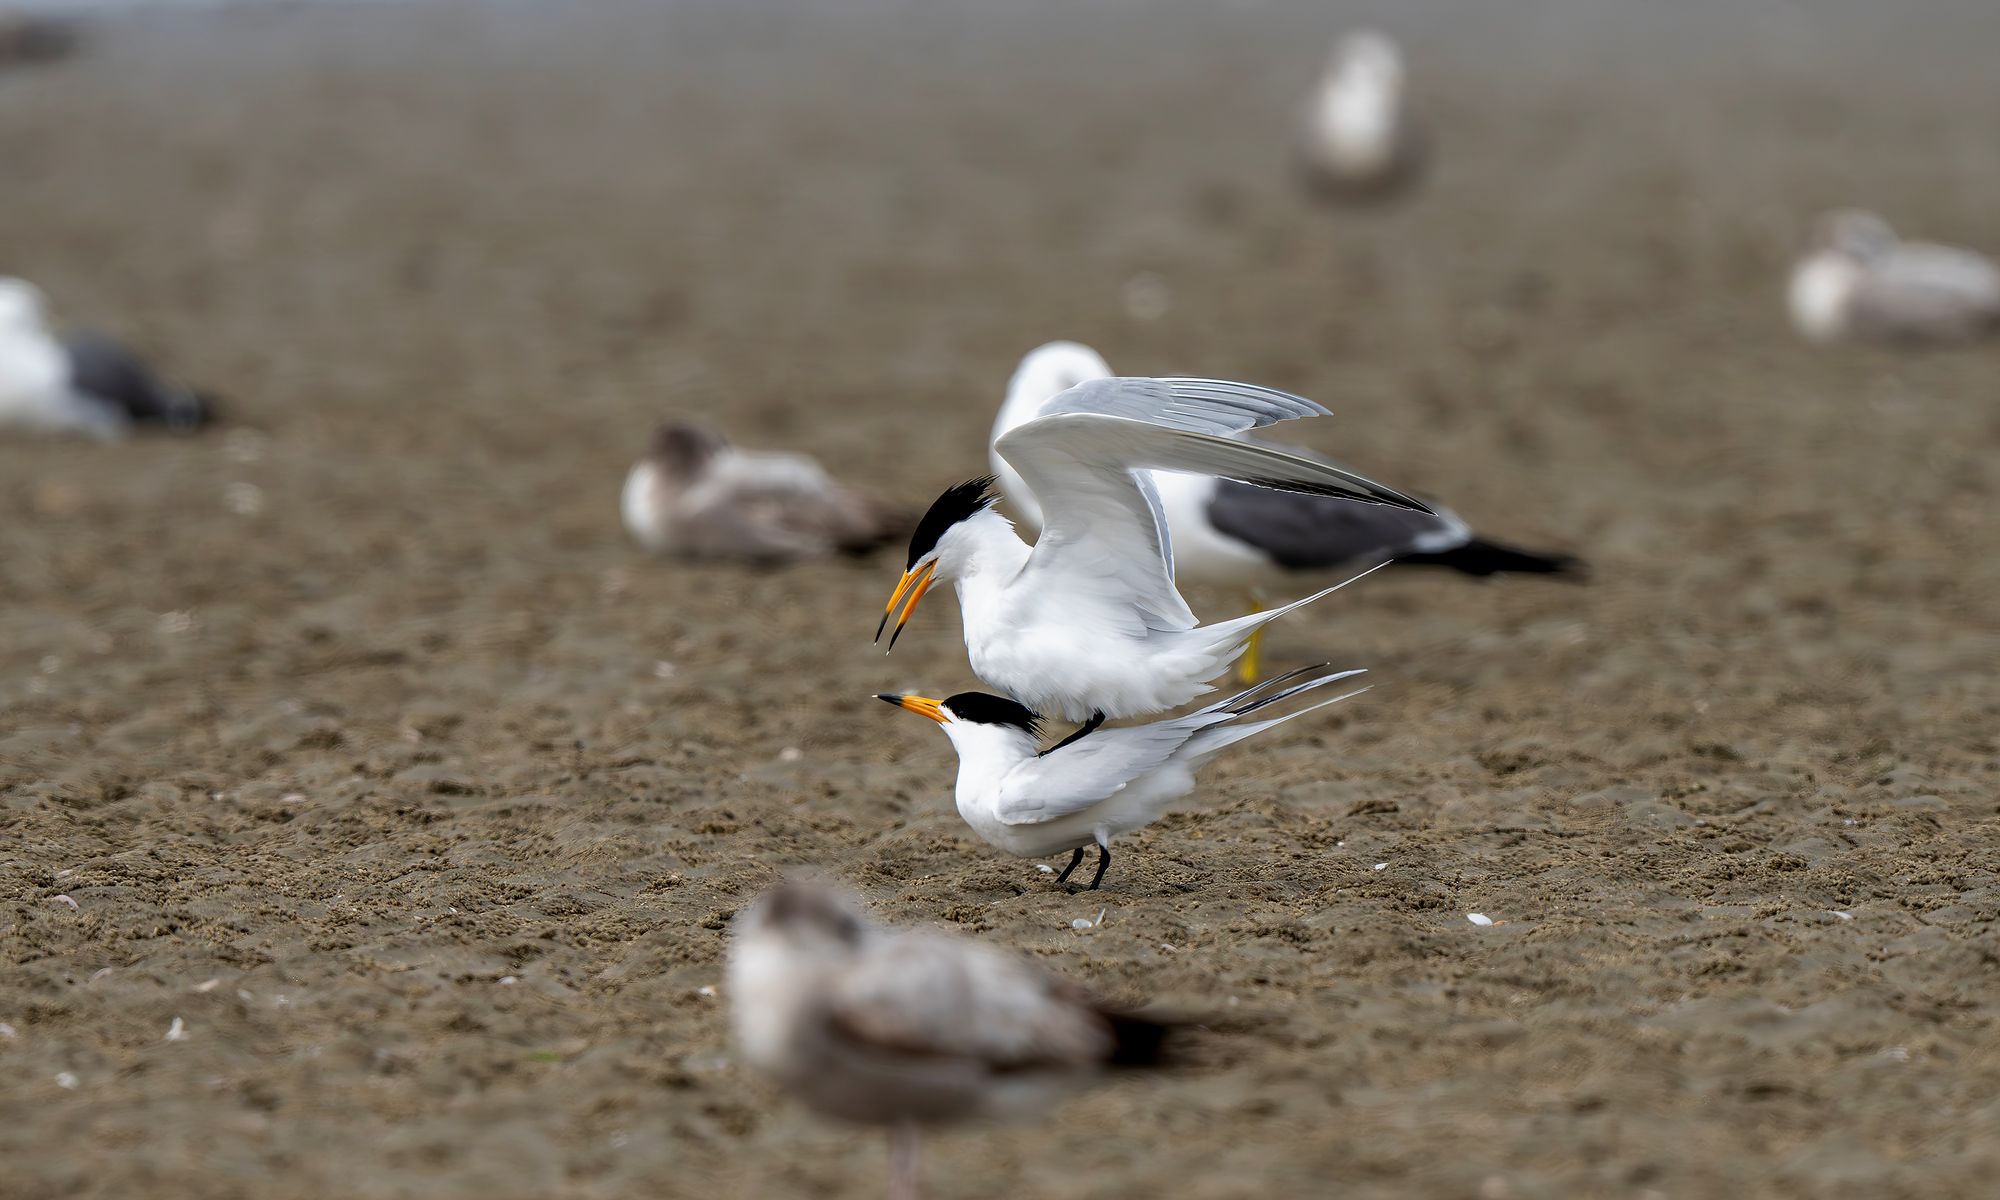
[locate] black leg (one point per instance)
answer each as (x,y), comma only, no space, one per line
(1074,859)
(1103,861)
(1084,730)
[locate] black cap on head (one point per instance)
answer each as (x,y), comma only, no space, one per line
(958,502)
(983,709)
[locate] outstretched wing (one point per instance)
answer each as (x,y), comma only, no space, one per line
(1104,545)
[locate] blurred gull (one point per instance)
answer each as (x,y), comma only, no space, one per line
(1032,803)
(908,1028)
(1861,283)
(1087,623)
(80,382)
(1225,532)
(697,496)
(1356,139)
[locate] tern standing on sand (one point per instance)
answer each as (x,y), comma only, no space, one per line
(1032,803)
(1861,283)
(1086,623)
(906,1028)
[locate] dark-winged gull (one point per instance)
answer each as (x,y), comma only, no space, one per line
(81,382)
(909,1028)
(1859,282)
(694,495)
(1226,532)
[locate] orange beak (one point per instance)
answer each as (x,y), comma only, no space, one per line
(914,584)
(923,706)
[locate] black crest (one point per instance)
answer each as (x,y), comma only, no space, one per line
(982,709)
(957,503)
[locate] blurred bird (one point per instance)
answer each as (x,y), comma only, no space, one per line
(81,382)
(697,496)
(1033,803)
(1225,532)
(1086,623)
(1357,141)
(1861,283)
(25,38)
(909,1028)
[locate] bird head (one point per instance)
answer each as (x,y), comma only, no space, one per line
(972,719)
(939,543)
(23,308)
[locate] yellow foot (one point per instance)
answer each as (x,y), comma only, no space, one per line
(1250,668)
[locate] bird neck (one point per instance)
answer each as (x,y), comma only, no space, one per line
(987,752)
(982,549)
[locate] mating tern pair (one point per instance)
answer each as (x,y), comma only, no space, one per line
(1031,803)
(906,1028)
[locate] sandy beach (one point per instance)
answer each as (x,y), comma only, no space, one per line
(355,740)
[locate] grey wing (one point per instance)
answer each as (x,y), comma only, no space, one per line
(1104,546)
(1931,291)
(1212,406)
(1299,532)
(112,374)
(929,995)
(1091,770)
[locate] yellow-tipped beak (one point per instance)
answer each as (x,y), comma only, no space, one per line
(914,584)
(923,706)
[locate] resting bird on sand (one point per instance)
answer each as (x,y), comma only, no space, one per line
(1225,532)
(696,496)
(1356,140)
(908,1028)
(81,382)
(1861,283)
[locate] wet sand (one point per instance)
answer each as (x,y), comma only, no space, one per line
(361,742)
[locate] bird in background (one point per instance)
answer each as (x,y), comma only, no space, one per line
(913,1028)
(1229,533)
(81,382)
(1032,802)
(1086,623)
(1357,141)
(696,496)
(1859,282)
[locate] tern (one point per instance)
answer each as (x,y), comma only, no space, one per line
(696,496)
(1356,140)
(1861,283)
(1033,803)
(1086,623)
(80,382)
(909,1028)
(1225,532)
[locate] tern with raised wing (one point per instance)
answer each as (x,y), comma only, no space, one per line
(1229,533)
(1086,623)
(907,1028)
(1032,802)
